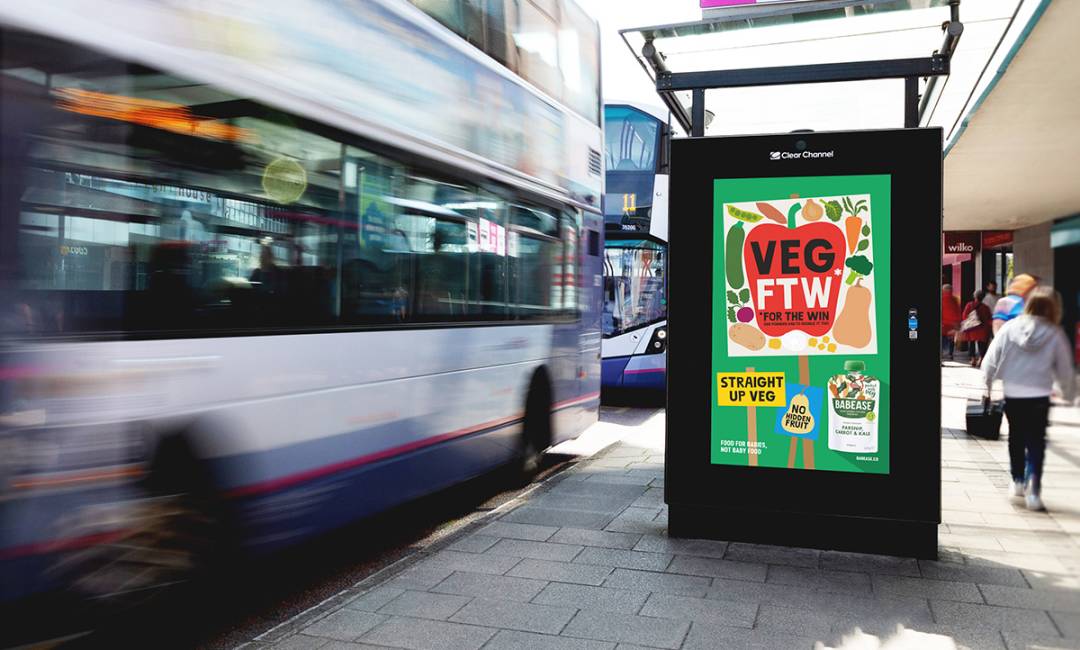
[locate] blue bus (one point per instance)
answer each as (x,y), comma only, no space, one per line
(635,248)
(272,267)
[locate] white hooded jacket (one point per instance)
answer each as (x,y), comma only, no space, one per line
(1028,354)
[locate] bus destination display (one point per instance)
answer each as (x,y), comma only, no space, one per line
(800,335)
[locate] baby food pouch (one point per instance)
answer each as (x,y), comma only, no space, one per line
(853,410)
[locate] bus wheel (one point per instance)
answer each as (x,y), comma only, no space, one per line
(536,434)
(168,536)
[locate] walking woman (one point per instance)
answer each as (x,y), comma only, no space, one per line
(976,329)
(950,320)
(1027,354)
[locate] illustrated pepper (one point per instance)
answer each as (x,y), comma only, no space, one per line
(733,256)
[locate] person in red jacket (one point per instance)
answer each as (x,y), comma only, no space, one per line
(950,320)
(977,333)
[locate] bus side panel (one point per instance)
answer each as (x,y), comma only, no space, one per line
(279,516)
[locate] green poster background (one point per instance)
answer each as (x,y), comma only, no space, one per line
(730,422)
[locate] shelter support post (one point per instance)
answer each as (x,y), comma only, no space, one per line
(911,102)
(697,118)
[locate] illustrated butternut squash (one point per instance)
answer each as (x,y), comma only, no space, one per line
(852,326)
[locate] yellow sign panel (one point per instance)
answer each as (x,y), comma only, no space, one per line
(750,389)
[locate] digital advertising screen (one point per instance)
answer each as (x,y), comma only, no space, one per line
(800,330)
(804,311)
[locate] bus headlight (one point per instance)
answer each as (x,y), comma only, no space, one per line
(658,343)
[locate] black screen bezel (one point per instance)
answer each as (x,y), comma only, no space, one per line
(912,488)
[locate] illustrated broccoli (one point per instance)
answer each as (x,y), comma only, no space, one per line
(859,265)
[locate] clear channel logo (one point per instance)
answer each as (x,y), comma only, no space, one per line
(796,155)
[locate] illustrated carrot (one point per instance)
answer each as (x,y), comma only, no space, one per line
(852,227)
(853,224)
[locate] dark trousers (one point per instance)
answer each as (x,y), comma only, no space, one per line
(948,345)
(978,348)
(1027,437)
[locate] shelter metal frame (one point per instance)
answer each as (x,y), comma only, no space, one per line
(910,70)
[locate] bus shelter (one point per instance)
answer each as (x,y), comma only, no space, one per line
(813,418)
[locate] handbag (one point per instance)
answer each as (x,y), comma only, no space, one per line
(971,322)
(984,418)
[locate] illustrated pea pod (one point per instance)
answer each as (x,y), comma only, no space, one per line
(733,256)
(744,215)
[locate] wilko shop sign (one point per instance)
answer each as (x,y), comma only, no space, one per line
(960,243)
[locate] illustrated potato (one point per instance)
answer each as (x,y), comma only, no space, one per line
(747,336)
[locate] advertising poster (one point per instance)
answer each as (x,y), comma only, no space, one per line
(800,337)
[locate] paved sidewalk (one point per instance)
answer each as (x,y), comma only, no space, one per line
(583,562)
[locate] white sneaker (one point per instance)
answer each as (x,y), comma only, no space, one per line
(1033,501)
(1017,489)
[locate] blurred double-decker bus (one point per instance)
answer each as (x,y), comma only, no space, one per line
(268,268)
(634,345)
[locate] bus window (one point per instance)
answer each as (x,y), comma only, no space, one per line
(463,17)
(571,229)
(488,286)
(634,286)
(432,214)
(579,60)
(535,262)
(631,139)
(169,219)
(499,18)
(536,38)
(378,266)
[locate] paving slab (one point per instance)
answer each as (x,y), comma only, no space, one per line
(714,568)
(516,640)
(724,612)
(704,636)
(421,634)
(628,628)
(521,548)
(510,615)
(585,574)
(518,531)
(659,582)
(698,547)
(420,604)
(587,537)
(843,582)
(344,625)
(890,585)
(624,559)
(463,583)
(606,599)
